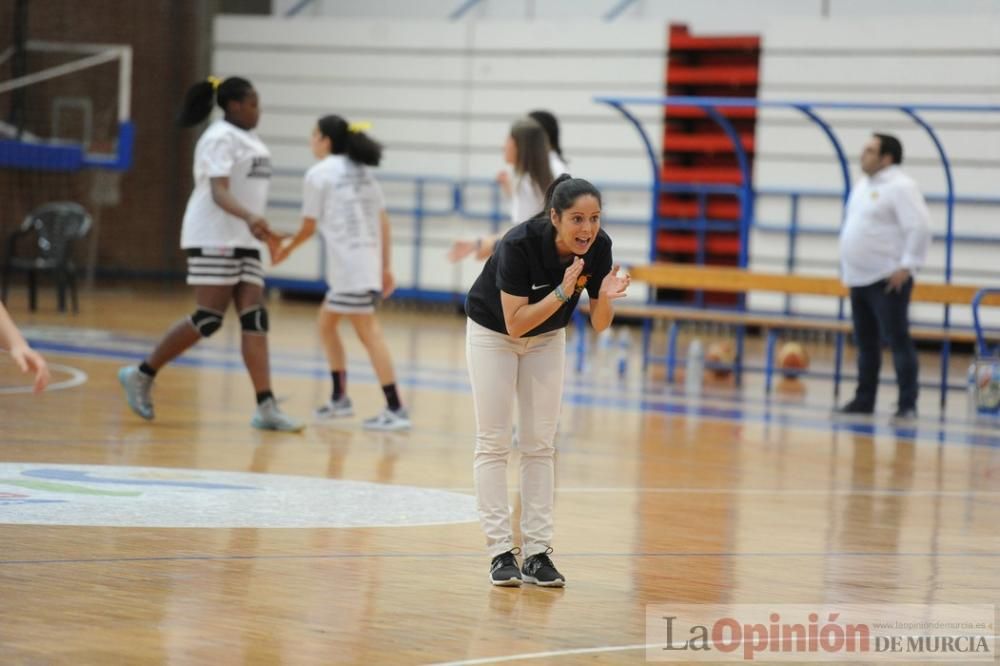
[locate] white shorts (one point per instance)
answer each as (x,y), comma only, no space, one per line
(224,266)
(363,302)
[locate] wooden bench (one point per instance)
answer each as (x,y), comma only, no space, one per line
(735,280)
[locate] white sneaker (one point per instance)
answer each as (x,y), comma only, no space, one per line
(335,409)
(137,387)
(388,419)
(270,417)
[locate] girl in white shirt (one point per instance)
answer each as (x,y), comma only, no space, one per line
(527,151)
(341,196)
(223,233)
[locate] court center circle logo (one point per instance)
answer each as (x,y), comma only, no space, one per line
(110,496)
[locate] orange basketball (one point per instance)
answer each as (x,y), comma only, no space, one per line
(720,354)
(792,359)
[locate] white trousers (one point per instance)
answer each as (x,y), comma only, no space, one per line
(502,367)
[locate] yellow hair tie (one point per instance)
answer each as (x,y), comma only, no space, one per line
(359,127)
(215,81)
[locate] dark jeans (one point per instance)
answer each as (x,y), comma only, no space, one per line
(880,316)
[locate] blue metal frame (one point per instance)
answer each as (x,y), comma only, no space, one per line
(647,326)
(462,9)
(845,173)
(618,10)
(982,348)
(949,234)
(712,105)
(297,7)
(494,217)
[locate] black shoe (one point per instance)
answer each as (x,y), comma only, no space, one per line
(854,408)
(504,571)
(904,416)
(538,569)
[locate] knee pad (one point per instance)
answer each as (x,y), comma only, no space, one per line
(206,321)
(254,320)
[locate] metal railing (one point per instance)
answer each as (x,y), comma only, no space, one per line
(716,108)
(460,197)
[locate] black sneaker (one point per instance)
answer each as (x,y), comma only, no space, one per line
(504,571)
(538,569)
(854,408)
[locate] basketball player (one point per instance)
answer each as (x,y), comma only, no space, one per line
(527,151)
(222,233)
(342,198)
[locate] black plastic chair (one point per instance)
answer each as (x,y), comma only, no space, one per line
(54,227)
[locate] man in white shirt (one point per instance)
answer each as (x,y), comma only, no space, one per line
(883,244)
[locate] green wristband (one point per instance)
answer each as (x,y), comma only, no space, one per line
(560,295)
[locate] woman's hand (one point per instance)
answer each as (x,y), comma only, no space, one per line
(28,360)
(503,179)
(614,286)
(388,283)
(570,277)
(279,255)
(276,246)
(258,227)
(461,249)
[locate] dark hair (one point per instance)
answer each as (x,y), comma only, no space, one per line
(890,145)
(199,97)
(565,190)
(532,152)
(551,127)
(359,146)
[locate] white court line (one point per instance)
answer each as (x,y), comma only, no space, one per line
(807,492)
(543,655)
(594,650)
(76,378)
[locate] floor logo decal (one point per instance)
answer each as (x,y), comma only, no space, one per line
(99,495)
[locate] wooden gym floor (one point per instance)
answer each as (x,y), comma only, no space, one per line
(202,541)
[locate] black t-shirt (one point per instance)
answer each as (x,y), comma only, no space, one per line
(525,263)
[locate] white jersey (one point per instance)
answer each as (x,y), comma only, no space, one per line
(347,203)
(557,165)
(225,150)
(526,200)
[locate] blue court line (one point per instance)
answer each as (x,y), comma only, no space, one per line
(203,355)
(451,555)
(87,477)
(921,432)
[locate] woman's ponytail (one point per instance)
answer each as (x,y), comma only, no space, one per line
(202,96)
(349,139)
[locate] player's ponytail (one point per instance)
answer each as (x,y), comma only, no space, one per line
(201,97)
(350,139)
